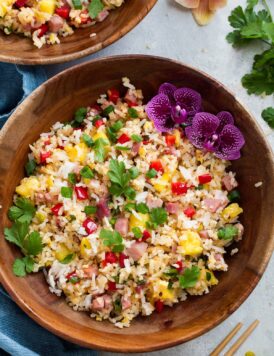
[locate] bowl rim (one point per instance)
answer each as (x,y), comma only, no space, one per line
(57,59)
(164,343)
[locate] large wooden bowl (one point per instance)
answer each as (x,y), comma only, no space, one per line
(57,99)
(20,50)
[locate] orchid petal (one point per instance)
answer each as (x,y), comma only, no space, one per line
(231,141)
(168,89)
(190,4)
(188,99)
(216,4)
(202,14)
(158,110)
(195,139)
(229,157)
(225,119)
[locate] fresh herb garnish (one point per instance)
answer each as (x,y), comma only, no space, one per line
(108,110)
(134,172)
(77,4)
(22,266)
(117,306)
(100,149)
(94,8)
(68,259)
(79,117)
(72,178)
(228,232)
(172,272)
(158,216)
(86,172)
(137,232)
(190,277)
(87,140)
(268,115)
(22,211)
(112,131)
(151,173)
(136,138)
(112,239)
(129,207)
(90,210)
(30,167)
(120,179)
(133,113)
(66,192)
(142,208)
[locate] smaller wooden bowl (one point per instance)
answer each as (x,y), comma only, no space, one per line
(18,49)
(56,100)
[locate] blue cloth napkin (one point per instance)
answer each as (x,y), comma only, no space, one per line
(20,335)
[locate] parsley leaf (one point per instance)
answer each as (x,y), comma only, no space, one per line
(30,167)
(134,172)
(100,149)
(17,233)
(21,266)
(112,131)
(142,208)
(158,216)
(94,8)
(112,239)
(22,211)
(33,243)
(190,277)
(151,173)
(228,232)
(120,179)
(268,116)
(89,210)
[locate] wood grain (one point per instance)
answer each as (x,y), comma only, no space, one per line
(18,49)
(56,100)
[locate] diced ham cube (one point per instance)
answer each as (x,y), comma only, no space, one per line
(154,202)
(55,23)
(136,250)
(107,302)
(102,209)
(102,15)
(173,208)
(229,182)
(135,148)
(90,271)
(126,303)
(98,304)
(121,226)
(213,204)
(203,234)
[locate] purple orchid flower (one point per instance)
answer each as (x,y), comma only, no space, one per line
(216,134)
(173,106)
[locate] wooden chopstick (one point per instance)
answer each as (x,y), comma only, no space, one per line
(226,340)
(241,339)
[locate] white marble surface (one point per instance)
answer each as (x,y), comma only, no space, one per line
(170,31)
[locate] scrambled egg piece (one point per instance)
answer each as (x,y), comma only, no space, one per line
(190,244)
(231,212)
(27,187)
(135,222)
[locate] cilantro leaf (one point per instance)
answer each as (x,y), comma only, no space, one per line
(151,173)
(268,116)
(142,208)
(100,149)
(112,239)
(134,172)
(30,167)
(190,277)
(29,263)
(120,179)
(17,233)
(94,8)
(33,243)
(19,267)
(129,193)
(158,216)
(22,211)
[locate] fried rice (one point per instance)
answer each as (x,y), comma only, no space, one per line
(46,21)
(119,254)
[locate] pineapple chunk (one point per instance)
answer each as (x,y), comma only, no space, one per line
(212,281)
(40,217)
(47,6)
(85,246)
(177,135)
(62,252)
(135,222)
(162,183)
(28,186)
(4,7)
(163,292)
(231,212)
(190,244)
(100,134)
(78,153)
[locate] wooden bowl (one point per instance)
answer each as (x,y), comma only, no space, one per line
(56,100)
(80,44)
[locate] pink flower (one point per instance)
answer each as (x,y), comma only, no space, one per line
(203,10)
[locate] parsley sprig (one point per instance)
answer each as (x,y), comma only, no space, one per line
(158,216)
(250,25)
(190,277)
(120,178)
(22,211)
(112,239)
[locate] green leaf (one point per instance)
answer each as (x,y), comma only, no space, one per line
(30,167)
(19,267)
(151,173)
(117,126)
(158,216)
(253,30)
(80,115)
(172,272)
(122,148)
(136,138)
(236,39)
(228,232)
(115,190)
(29,264)
(133,113)
(109,109)
(117,172)
(68,259)
(17,233)
(87,140)
(190,277)
(23,211)
(268,28)
(77,4)
(237,18)
(142,208)
(66,192)
(117,305)
(134,172)
(112,239)
(33,243)
(268,116)
(130,193)
(72,178)
(251,4)
(137,232)
(129,207)
(90,210)
(86,172)
(100,150)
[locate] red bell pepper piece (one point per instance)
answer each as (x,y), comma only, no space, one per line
(189,212)
(123,138)
(63,12)
(42,30)
(146,235)
(44,156)
(56,209)
(179,188)
(81,193)
(113,95)
(170,140)
(157,165)
(110,257)
(112,286)
(205,178)
(98,123)
(122,258)
(89,226)
(159,306)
